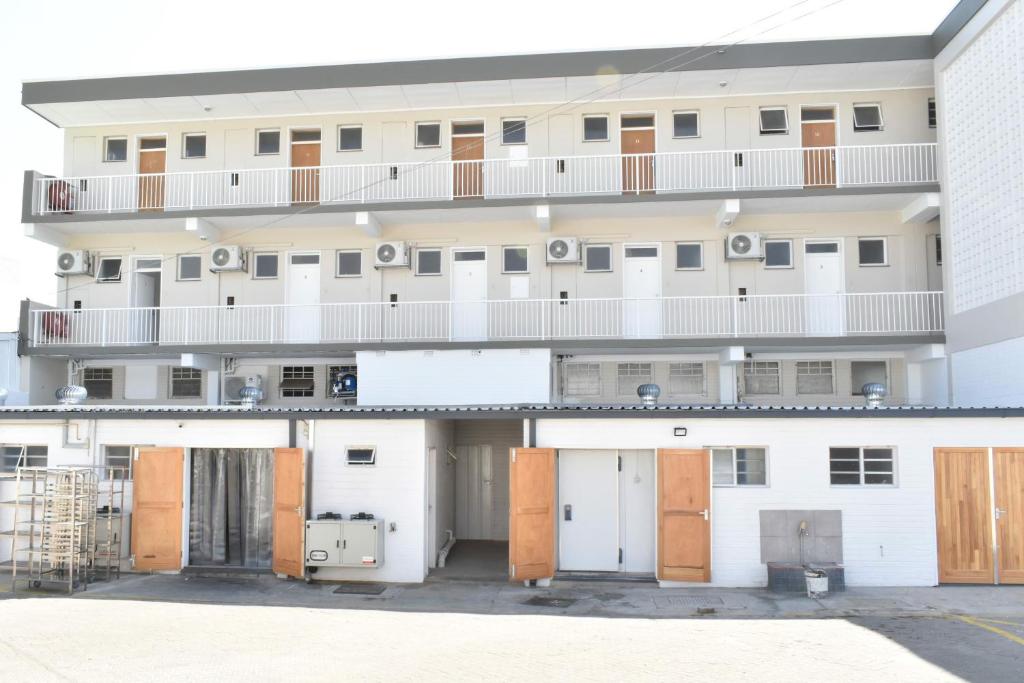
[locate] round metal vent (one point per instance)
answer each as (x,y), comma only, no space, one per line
(66,261)
(558,249)
(220,256)
(740,244)
(386,253)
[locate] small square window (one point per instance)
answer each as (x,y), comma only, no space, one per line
(15,456)
(265,266)
(871,251)
(739,466)
(186,383)
(350,264)
(686,124)
(513,131)
(867,372)
(778,254)
(360,455)
(98,382)
(867,117)
(932,114)
(190,267)
(118,462)
(686,379)
(515,260)
(109,270)
(268,141)
(814,377)
(350,138)
(597,258)
(428,261)
(761,377)
(689,256)
(428,134)
(853,466)
(595,128)
(193,146)
(581,379)
(774,121)
(297,381)
(115,149)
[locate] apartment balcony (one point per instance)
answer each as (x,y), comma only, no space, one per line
(663,173)
(890,314)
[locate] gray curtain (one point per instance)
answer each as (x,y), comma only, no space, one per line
(231,505)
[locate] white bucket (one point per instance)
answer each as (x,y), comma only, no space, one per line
(817,583)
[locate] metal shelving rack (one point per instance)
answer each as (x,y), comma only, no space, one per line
(110,516)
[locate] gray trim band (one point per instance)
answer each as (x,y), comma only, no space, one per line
(954,23)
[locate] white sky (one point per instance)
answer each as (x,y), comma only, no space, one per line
(60,39)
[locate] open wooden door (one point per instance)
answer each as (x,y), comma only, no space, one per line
(158,501)
(684,515)
(531,528)
(289,525)
(1009,481)
(963,515)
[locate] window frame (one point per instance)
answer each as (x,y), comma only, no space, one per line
(106,146)
(440,261)
(857,128)
(628,366)
(590,365)
(586,258)
(700,249)
(523,247)
(938,249)
(172,381)
(23,455)
(861,472)
(787,242)
(885,252)
(125,471)
(695,112)
(260,131)
(932,113)
(256,269)
(735,472)
(184,145)
(856,390)
(778,374)
(306,393)
(817,364)
(337,263)
(514,119)
(416,134)
(703,377)
(349,126)
(760,120)
(198,277)
(86,380)
(370,463)
(99,269)
(607,128)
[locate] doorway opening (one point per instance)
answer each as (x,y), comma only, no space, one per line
(145,298)
(637,148)
(305,160)
(467,159)
(818,134)
(152,169)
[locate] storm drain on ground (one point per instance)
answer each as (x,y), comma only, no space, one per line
(539,601)
(361,588)
(666,601)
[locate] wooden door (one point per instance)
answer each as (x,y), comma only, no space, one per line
(305,172)
(152,167)
(1009,487)
(289,524)
(468,169)
(531,528)
(819,164)
(963,515)
(684,515)
(637,170)
(158,503)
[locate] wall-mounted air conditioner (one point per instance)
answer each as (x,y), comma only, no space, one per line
(743,245)
(392,255)
(74,263)
(227,258)
(563,250)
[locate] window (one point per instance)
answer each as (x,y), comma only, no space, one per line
(349,264)
(774,121)
(515,260)
(938,250)
(186,383)
(637,121)
(193,146)
(932,115)
(360,455)
(190,267)
(305,259)
(469,255)
(428,134)
(778,254)
(814,377)
(307,135)
(861,466)
(761,377)
(689,256)
(268,141)
(152,144)
(871,251)
(821,247)
(118,461)
(467,127)
(739,466)
(297,381)
(686,124)
(686,379)
(15,456)
(631,376)
(641,252)
(115,149)
(428,261)
(109,270)
(582,379)
(867,372)
(98,382)
(513,131)
(595,128)
(809,114)
(350,138)
(867,117)
(597,258)
(264,266)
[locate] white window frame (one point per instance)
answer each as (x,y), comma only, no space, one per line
(515,272)
(700,246)
(608,127)
(350,126)
(868,129)
(515,119)
(590,365)
(184,145)
(791,258)
(189,279)
(696,112)
(735,473)
(23,456)
(337,262)
(373,456)
(703,377)
(629,366)
(753,362)
(127,149)
(171,382)
(124,472)
(861,472)
(818,364)
(305,375)
(586,259)
(760,121)
(255,265)
(100,379)
(99,269)
(256,140)
(928,113)
(416,134)
(440,259)
(885,252)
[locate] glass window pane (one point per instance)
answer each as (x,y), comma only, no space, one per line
(599,258)
(867,372)
(872,252)
(641,252)
(268,142)
(689,256)
(152,143)
(637,122)
(867,117)
(190,267)
(305,259)
(774,121)
(195,146)
(582,379)
(469,256)
(428,262)
(595,128)
(686,378)
(350,138)
(117,149)
(761,377)
(350,263)
(878,454)
(686,124)
(305,136)
(266,265)
(878,479)
(839,478)
(721,466)
(778,254)
(428,134)
(513,132)
(471,128)
(751,466)
(110,270)
(514,260)
(816,114)
(821,248)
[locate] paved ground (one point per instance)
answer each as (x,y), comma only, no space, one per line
(164,627)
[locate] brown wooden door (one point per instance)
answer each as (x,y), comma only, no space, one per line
(152,167)
(684,515)
(1009,486)
(637,171)
(289,525)
(531,528)
(305,172)
(468,169)
(157,509)
(963,515)
(819,164)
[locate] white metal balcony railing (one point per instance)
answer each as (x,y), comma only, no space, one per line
(663,172)
(788,315)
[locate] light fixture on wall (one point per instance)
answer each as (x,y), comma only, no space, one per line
(679,431)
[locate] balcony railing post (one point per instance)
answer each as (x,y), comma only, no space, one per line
(734,302)
(191,191)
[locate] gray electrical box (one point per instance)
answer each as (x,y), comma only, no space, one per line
(345,543)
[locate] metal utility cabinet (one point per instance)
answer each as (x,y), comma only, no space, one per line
(345,543)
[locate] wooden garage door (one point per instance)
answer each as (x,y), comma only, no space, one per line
(1009,485)
(156,516)
(684,515)
(289,511)
(963,515)
(531,538)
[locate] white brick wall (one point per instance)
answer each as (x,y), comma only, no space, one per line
(989,375)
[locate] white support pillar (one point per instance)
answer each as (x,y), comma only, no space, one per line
(729,359)
(927,375)
(369,223)
(202,228)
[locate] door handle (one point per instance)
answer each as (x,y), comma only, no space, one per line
(568,513)
(706,515)
(1000,512)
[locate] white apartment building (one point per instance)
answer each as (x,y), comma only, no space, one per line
(450,281)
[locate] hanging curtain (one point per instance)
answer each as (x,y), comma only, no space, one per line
(230,510)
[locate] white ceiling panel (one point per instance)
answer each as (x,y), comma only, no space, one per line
(704,83)
(427,95)
(529,90)
(379,97)
(485,92)
(177,107)
(127,110)
(277,103)
(226,106)
(593,87)
(328,99)
(636,86)
(772,79)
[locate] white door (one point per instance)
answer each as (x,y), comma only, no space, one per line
(642,291)
(824,308)
(474,497)
(145,294)
(737,138)
(588,511)
(637,512)
(469,294)
(303,298)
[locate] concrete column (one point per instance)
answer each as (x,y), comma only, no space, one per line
(729,359)
(213,388)
(927,376)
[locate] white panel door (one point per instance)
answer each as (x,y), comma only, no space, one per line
(824,309)
(303,298)
(637,512)
(474,498)
(737,137)
(469,294)
(588,511)
(642,291)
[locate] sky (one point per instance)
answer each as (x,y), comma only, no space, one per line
(61,39)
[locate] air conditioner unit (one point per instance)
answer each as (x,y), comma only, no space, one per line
(392,255)
(74,263)
(743,245)
(227,258)
(563,250)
